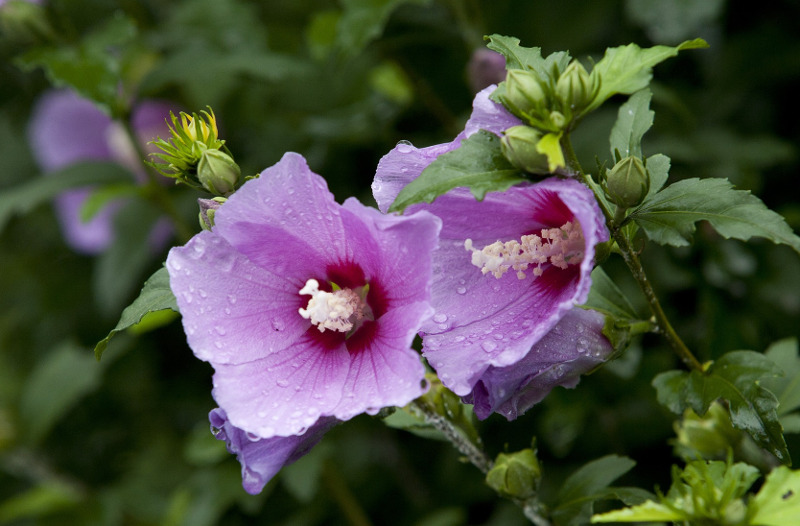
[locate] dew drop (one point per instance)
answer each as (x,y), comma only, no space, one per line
(282,383)
(488,346)
(440,318)
(220,330)
(252,437)
(231,299)
(461,290)
(277,324)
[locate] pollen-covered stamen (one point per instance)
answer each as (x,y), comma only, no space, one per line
(559,247)
(339,310)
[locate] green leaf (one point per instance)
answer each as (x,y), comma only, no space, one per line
(529,58)
(478,164)
(778,501)
(669,216)
(627,69)
(156,295)
(408,420)
(606,297)
(736,377)
(55,386)
(658,171)
(23,198)
(92,67)
(575,500)
(633,120)
(647,512)
(787,388)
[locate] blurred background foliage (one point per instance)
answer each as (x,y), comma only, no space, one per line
(125,441)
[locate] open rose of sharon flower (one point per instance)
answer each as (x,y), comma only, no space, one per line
(508,275)
(305,308)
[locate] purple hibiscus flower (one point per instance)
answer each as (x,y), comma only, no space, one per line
(66,129)
(508,274)
(305,308)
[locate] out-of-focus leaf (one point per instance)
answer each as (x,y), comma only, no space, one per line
(92,67)
(58,382)
(99,198)
(38,502)
(778,501)
(627,69)
(669,216)
(122,266)
(735,377)
(633,120)
(670,21)
(155,296)
(363,20)
(478,163)
(302,478)
(575,501)
(21,199)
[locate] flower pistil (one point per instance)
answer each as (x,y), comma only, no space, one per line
(339,310)
(560,247)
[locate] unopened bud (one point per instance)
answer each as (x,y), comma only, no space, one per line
(218,172)
(524,91)
(575,87)
(519,147)
(515,475)
(208,207)
(627,183)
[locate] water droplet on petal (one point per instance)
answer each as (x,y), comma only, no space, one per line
(282,382)
(461,290)
(278,324)
(488,346)
(440,318)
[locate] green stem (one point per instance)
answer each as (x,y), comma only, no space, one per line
(631,258)
(531,508)
(466,447)
(154,190)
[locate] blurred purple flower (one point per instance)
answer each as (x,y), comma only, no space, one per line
(305,308)
(66,129)
(262,458)
(485,67)
(508,269)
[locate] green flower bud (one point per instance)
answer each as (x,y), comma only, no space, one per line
(524,91)
(558,120)
(217,172)
(519,147)
(208,207)
(627,183)
(515,475)
(575,87)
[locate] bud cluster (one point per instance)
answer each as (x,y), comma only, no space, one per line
(550,102)
(515,475)
(195,155)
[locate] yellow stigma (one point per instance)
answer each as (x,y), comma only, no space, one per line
(560,247)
